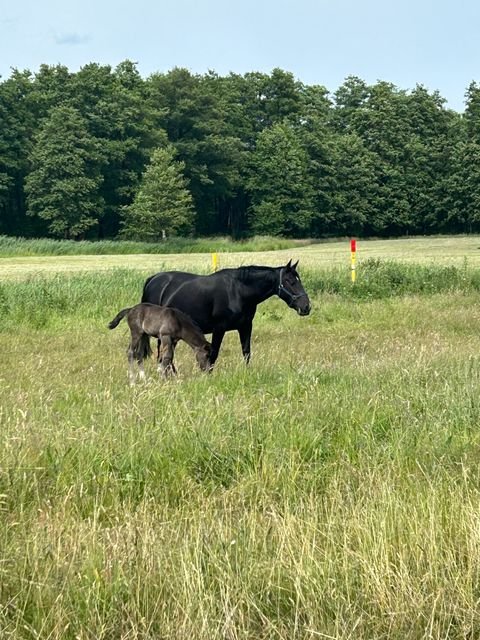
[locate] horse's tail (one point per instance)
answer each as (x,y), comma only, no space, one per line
(147,282)
(142,348)
(118,317)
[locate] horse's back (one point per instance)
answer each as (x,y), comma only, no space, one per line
(159,286)
(205,298)
(154,320)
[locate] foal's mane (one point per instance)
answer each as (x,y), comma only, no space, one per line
(187,320)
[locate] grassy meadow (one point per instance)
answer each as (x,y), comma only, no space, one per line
(330,490)
(12,246)
(22,258)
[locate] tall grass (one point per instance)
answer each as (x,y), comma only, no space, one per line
(39,301)
(330,490)
(386,278)
(11,246)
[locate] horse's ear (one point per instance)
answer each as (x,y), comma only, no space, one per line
(289,264)
(294,266)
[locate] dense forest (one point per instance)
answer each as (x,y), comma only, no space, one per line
(105,153)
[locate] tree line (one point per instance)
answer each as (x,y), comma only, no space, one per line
(103,153)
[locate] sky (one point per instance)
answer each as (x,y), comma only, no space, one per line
(405,42)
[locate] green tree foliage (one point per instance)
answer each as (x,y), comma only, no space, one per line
(280,184)
(52,86)
(195,121)
(472,111)
(380,117)
(355,192)
(63,184)
(462,182)
(17,126)
(313,129)
(462,213)
(163,205)
(125,123)
(260,152)
(433,134)
(410,138)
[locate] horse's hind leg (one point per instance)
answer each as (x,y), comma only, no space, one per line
(131,366)
(141,368)
(135,353)
(245,333)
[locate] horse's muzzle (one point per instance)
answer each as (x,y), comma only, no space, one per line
(304,310)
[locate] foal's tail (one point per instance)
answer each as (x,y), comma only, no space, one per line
(142,349)
(114,323)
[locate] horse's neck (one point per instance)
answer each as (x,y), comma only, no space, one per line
(193,338)
(262,288)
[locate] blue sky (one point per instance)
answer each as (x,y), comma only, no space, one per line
(320,41)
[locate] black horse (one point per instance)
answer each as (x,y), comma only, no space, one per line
(227,300)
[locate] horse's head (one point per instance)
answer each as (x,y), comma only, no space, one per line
(290,289)
(203,356)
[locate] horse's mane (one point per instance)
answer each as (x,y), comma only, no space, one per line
(246,273)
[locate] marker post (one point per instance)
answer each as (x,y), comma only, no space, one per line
(353,251)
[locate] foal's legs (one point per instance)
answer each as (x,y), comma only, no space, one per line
(134,353)
(141,367)
(162,352)
(167,350)
(131,358)
(159,355)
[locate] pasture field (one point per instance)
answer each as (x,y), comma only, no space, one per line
(442,250)
(11,246)
(330,490)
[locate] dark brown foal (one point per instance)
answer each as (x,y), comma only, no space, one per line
(167,325)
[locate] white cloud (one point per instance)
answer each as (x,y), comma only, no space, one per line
(72,38)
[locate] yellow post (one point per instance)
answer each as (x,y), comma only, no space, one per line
(353,249)
(214,261)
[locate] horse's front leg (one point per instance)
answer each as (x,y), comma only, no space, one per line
(159,356)
(217,338)
(245,333)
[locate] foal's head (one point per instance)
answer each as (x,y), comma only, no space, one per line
(203,356)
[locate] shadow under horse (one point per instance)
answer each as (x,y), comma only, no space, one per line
(227,300)
(168,326)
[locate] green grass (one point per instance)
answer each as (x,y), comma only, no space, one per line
(331,490)
(462,252)
(40,301)
(12,246)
